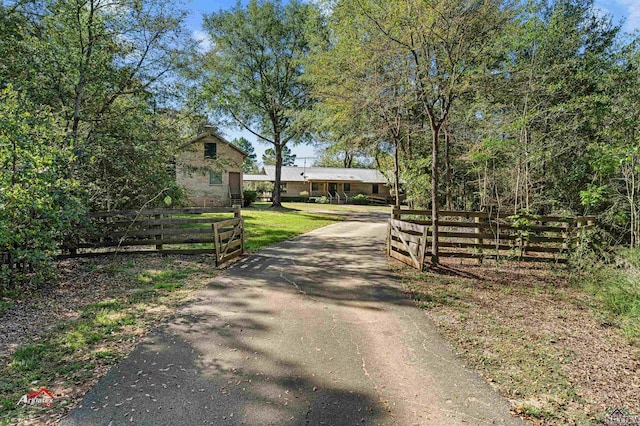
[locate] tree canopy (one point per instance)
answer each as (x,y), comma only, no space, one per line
(254,71)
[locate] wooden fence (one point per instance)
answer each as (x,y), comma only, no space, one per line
(482,235)
(170,231)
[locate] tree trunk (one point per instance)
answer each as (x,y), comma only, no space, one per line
(275,201)
(447,165)
(435,130)
(396,174)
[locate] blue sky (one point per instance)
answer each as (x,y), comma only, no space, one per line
(621,10)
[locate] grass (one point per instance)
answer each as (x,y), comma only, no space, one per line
(68,356)
(617,292)
(265,226)
(544,341)
(135,294)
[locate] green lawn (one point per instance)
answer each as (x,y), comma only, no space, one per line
(119,300)
(265,226)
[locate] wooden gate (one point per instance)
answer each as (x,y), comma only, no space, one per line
(168,231)
(481,235)
(229,239)
(407,242)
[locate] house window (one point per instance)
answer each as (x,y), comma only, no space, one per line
(374,189)
(347,187)
(210,150)
(283,187)
(315,186)
(215,178)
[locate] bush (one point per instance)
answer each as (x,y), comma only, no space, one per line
(304,194)
(323,200)
(249,197)
(360,199)
(37,203)
(616,289)
(264,187)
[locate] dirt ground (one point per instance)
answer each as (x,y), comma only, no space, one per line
(534,336)
(45,312)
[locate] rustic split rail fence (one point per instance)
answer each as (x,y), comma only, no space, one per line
(169,231)
(482,235)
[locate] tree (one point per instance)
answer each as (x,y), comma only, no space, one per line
(255,68)
(269,157)
(249,165)
(417,58)
(108,71)
(37,203)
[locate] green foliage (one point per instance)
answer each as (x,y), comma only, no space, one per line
(254,73)
(617,290)
(360,199)
(264,187)
(249,165)
(37,202)
(304,194)
(323,200)
(249,197)
(593,196)
(109,75)
(269,157)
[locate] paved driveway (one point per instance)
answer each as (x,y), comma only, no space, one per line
(311,331)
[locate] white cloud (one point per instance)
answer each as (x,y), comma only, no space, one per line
(203,39)
(632,14)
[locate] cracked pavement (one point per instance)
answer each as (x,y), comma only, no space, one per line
(314,331)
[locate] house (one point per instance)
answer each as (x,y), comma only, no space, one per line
(210,169)
(338,184)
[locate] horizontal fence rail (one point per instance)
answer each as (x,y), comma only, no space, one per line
(171,231)
(482,235)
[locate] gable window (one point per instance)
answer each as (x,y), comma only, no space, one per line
(374,188)
(346,187)
(315,186)
(210,150)
(215,178)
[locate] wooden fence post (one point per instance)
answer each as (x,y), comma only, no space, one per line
(476,219)
(395,213)
(216,241)
(158,237)
(578,231)
(422,250)
(237,213)
(567,236)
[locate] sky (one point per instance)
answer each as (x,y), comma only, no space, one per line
(627,11)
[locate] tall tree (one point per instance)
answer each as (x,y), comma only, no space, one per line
(255,67)
(108,71)
(269,157)
(249,165)
(37,203)
(423,57)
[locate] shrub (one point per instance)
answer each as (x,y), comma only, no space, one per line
(37,206)
(360,199)
(264,187)
(304,194)
(323,200)
(249,197)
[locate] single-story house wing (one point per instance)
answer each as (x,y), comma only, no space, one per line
(332,182)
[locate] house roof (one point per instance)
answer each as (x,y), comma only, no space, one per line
(312,174)
(210,131)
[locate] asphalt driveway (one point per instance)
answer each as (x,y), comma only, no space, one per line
(311,331)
